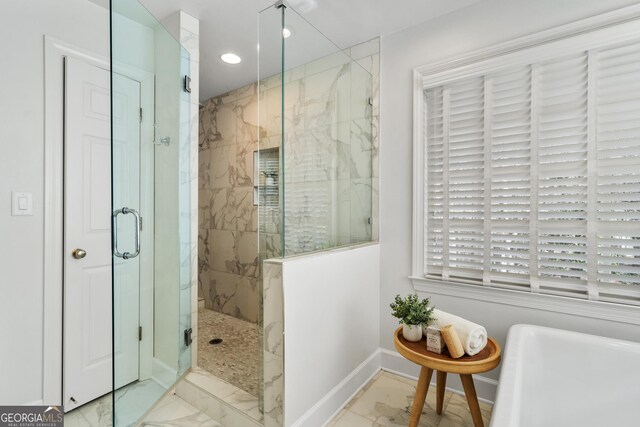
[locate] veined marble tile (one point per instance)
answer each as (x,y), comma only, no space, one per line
(222,251)
(76,419)
(457,413)
(173,411)
(247,299)
(219,122)
(375,208)
(223,290)
(199,399)
(204,208)
(273,119)
(98,413)
(273,308)
(271,244)
(245,402)
(222,166)
(203,142)
(248,90)
(350,419)
(273,390)
(247,116)
(273,373)
(361,149)
(132,401)
(223,213)
(244,163)
(388,401)
(375,146)
(210,383)
(232,417)
(343,209)
(204,165)
(246,211)
(361,92)
(361,192)
(246,253)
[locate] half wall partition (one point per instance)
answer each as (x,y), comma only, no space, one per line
(316,181)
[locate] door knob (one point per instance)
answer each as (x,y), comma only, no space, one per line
(79,253)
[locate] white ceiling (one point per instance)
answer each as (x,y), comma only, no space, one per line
(232,26)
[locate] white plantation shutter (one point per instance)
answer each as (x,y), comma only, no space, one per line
(509,174)
(532,176)
(562,174)
(434,183)
(466,178)
(618,166)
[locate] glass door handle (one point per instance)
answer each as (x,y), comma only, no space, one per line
(125,211)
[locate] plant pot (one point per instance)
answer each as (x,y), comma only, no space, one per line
(412,333)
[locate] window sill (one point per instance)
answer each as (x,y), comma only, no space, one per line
(557,304)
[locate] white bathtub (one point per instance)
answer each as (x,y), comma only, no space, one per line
(551,377)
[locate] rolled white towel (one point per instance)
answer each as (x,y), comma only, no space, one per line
(472,335)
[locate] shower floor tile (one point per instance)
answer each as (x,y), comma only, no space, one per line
(236,358)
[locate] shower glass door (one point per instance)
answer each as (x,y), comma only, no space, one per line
(151,205)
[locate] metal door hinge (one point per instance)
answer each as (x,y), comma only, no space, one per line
(187,84)
(188,337)
(139,333)
(141,223)
(140,115)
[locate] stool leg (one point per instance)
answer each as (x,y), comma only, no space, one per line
(421,395)
(472,399)
(442,383)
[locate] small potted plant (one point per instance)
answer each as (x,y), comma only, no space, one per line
(412,314)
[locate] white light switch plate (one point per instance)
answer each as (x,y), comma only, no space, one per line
(21,203)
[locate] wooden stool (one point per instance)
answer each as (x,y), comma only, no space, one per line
(417,352)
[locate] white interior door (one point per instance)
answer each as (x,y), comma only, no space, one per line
(87,346)
(126,194)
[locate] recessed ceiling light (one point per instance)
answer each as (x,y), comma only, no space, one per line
(286,33)
(230,58)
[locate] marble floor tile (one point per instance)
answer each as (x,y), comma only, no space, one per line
(245,402)
(387,401)
(76,419)
(134,400)
(98,413)
(211,383)
(350,419)
(173,411)
(457,413)
(236,360)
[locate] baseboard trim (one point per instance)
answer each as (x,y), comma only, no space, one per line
(394,363)
(334,401)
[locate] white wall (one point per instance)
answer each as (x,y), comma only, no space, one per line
(22,27)
(479,26)
(331,329)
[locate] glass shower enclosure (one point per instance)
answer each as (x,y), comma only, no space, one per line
(150,210)
(316,113)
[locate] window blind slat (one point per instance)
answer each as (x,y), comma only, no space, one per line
(533,177)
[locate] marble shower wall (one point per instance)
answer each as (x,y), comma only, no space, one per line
(331,111)
(330,171)
(228,218)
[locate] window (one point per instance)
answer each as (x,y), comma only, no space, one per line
(531,169)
